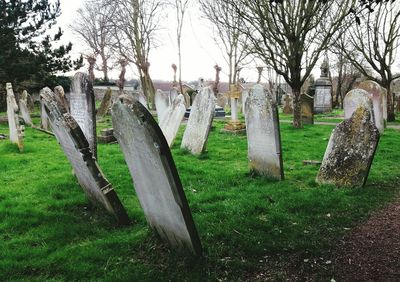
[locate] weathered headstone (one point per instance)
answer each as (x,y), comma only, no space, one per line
(75,146)
(287,104)
(355,98)
(199,123)
(263,134)
(245,95)
(173,93)
(16,131)
(28,100)
(377,95)
(307,109)
(350,151)
(162,102)
(44,120)
(155,177)
(105,104)
(172,119)
(106,136)
(23,108)
(323,91)
(234,125)
(60,96)
(138,95)
(83,108)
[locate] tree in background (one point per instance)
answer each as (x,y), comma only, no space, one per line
(291,36)
(371,46)
(93,25)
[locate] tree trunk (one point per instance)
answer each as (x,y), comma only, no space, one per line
(390,104)
(105,68)
(297,123)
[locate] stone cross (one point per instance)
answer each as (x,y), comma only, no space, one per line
(155,177)
(16,131)
(77,150)
(287,106)
(350,151)
(83,108)
(263,134)
(234,125)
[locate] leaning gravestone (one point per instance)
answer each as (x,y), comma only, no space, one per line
(105,104)
(154,174)
(28,100)
(307,109)
(199,123)
(23,108)
(16,131)
(83,108)
(60,96)
(377,95)
(350,151)
(138,95)
(44,120)
(263,134)
(162,102)
(355,98)
(76,148)
(172,119)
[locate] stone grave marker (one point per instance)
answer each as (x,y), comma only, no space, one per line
(138,95)
(355,98)
(172,119)
(377,95)
(106,136)
(60,96)
(350,151)
(287,104)
(24,111)
(323,90)
(162,102)
(16,131)
(44,120)
(83,108)
(173,93)
(307,108)
(263,134)
(245,94)
(76,148)
(28,100)
(156,180)
(105,104)
(199,123)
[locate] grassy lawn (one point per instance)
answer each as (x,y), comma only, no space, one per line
(50,231)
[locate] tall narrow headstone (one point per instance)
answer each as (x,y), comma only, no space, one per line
(105,104)
(16,131)
(307,109)
(83,108)
(60,96)
(350,151)
(355,98)
(44,120)
(263,134)
(162,102)
(172,119)
(156,180)
(75,146)
(199,123)
(23,108)
(377,95)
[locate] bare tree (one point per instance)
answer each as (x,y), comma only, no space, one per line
(375,40)
(227,23)
(180,7)
(92,25)
(290,36)
(135,28)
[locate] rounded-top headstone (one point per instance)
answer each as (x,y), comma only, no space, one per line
(377,95)
(354,99)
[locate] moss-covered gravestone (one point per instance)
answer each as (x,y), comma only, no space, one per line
(76,148)
(350,151)
(355,98)
(156,180)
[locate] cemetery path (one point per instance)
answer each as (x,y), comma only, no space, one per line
(371,251)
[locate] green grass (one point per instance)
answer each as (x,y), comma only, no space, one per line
(50,231)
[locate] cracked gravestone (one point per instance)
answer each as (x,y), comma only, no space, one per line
(83,109)
(156,180)
(263,134)
(350,151)
(77,150)
(15,129)
(199,124)
(172,119)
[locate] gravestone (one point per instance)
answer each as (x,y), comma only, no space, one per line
(105,104)
(263,134)
(154,175)
(245,94)
(44,120)
(350,151)
(307,109)
(377,95)
(287,104)
(106,136)
(199,123)
(83,109)
(16,131)
(76,148)
(28,100)
(162,102)
(60,96)
(172,119)
(23,108)
(323,91)
(355,98)
(138,95)
(173,93)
